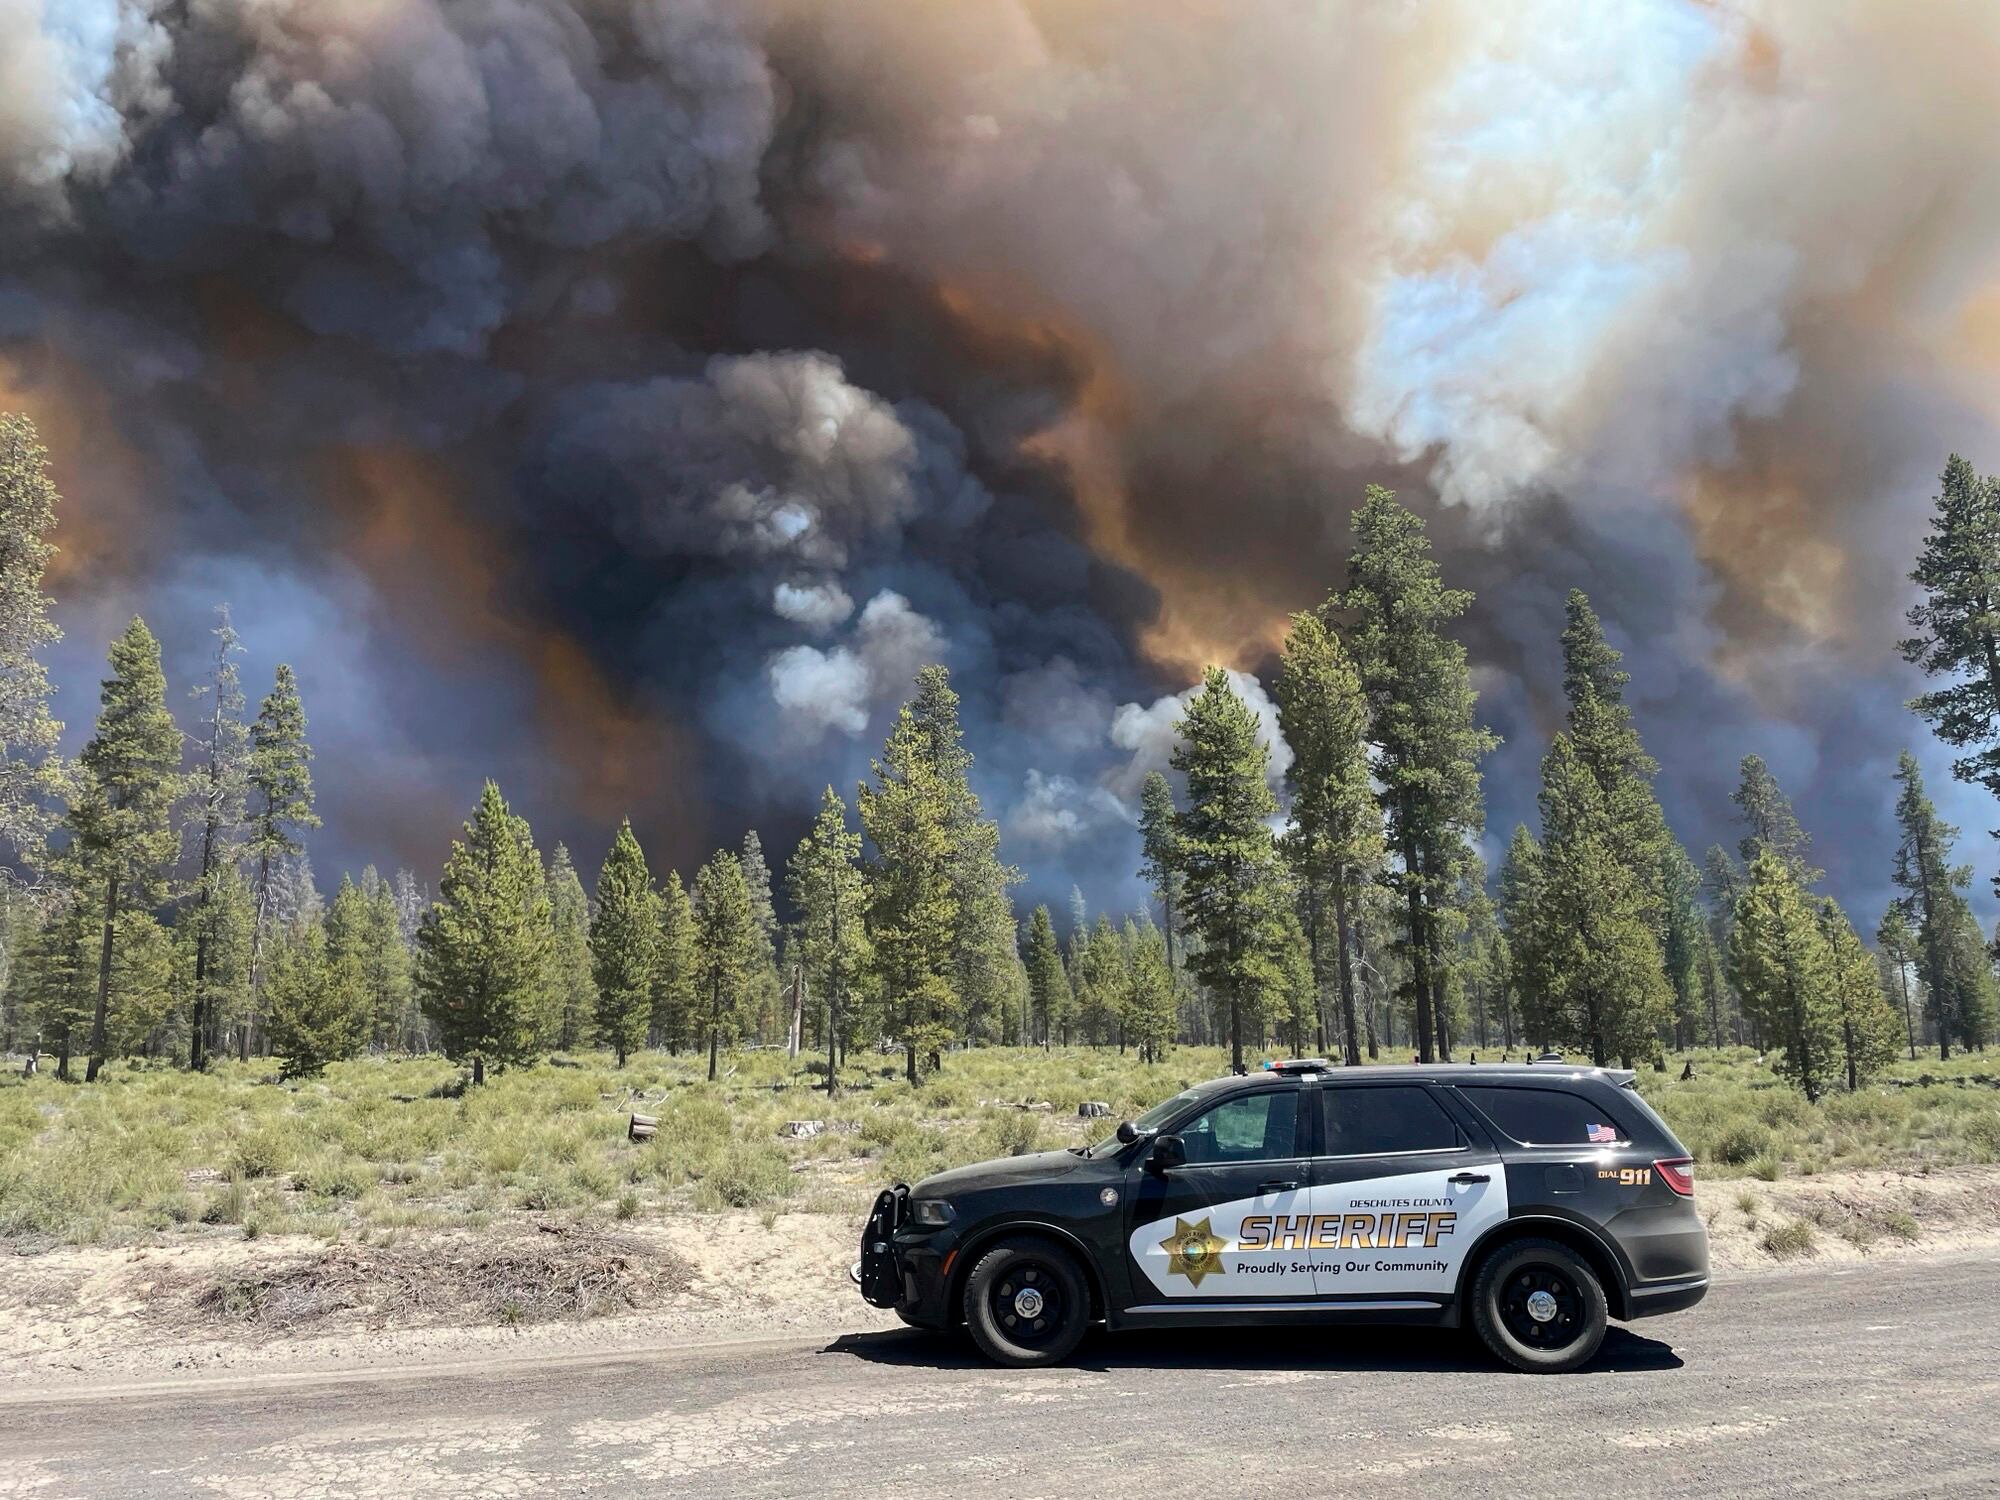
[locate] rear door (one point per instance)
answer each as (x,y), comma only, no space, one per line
(1406,1181)
(1246,1159)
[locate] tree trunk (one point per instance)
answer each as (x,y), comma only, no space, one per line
(1909,1016)
(1350,1033)
(714,1049)
(478,1070)
(97,1023)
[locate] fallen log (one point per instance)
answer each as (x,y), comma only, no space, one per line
(642,1127)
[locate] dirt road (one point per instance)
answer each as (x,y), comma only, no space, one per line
(1873,1379)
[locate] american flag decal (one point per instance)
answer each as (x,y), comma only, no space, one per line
(1603,1133)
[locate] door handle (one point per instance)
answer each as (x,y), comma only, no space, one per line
(1470,1177)
(1287,1185)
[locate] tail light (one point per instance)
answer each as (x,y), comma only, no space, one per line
(1677,1172)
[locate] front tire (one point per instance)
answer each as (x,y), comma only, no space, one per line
(1539,1306)
(1026,1303)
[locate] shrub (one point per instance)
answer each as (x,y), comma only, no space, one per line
(1740,1140)
(1787,1240)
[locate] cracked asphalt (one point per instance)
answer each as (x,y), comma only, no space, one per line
(1876,1379)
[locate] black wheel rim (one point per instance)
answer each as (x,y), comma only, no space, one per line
(1542,1307)
(1026,1301)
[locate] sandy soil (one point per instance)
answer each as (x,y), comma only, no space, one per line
(77,1316)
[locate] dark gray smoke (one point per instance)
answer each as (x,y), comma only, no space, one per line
(622,397)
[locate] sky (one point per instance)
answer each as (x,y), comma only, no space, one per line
(621,398)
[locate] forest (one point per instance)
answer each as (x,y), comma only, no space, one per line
(160,902)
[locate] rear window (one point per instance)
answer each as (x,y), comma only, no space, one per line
(1384,1121)
(1545,1117)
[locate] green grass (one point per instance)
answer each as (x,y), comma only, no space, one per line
(380,1146)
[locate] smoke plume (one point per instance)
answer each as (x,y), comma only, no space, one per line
(623,397)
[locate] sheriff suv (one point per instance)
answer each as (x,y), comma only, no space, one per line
(1532,1202)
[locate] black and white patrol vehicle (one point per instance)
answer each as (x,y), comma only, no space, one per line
(1531,1201)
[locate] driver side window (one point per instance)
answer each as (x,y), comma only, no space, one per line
(1250,1127)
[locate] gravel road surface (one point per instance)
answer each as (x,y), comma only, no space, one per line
(1866,1380)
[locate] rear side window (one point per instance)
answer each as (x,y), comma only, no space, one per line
(1384,1121)
(1546,1117)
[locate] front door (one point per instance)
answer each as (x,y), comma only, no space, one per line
(1402,1190)
(1246,1161)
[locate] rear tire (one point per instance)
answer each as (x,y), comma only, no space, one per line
(1026,1302)
(1539,1307)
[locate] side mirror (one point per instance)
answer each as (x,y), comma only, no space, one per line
(1169,1151)
(1126,1134)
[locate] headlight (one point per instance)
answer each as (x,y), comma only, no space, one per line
(932,1213)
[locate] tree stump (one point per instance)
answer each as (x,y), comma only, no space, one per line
(642,1127)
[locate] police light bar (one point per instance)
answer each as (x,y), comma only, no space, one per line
(1298,1065)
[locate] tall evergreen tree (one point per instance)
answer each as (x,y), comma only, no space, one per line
(1335,842)
(1767,815)
(826,885)
(483,946)
(318,1010)
(1684,943)
(936,878)
(1233,895)
(1897,945)
(674,998)
(385,965)
(572,985)
(1420,706)
(1957,621)
(1147,1020)
(281,807)
(1597,959)
(1048,982)
(1931,884)
(219,785)
(624,932)
(31,772)
(766,984)
(1785,974)
(1520,896)
(123,841)
(725,949)
(1867,1023)
(1159,866)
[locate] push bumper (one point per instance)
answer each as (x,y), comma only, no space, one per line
(902,1268)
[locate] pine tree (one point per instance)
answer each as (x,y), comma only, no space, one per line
(725,949)
(1867,1023)
(825,882)
(219,785)
(1160,868)
(317,1009)
(674,999)
(1897,945)
(1335,843)
(130,778)
(345,933)
(765,981)
(1096,978)
(1772,824)
(572,985)
(57,975)
(917,816)
(1785,972)
(482,948)
(624,932)
(32,776)
(1233,895)
(1597,958)
(1957,627)
(1048,982)
(1600,726)
(1420,706)
(217,987)
(1520,898)
(1684,942)
(1148,1015)
(1931,883)
(385,965)
(281,808)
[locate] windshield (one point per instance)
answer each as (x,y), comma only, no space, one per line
(1150,1121)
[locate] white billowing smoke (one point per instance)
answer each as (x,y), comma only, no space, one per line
(840,687)
(819,607)
(1148,733)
